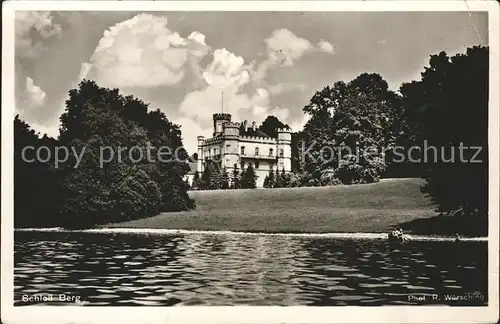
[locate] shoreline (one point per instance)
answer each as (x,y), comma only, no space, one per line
(334,235)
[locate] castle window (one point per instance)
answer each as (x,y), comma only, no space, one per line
(242,150)
(281,153)
(281,166)
(270,152)
(257,164)
(256,151)
(227,148)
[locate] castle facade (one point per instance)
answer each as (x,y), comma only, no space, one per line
(239,145)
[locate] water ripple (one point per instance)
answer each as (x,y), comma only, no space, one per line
(208,269)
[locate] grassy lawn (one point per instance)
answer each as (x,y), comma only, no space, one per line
(356,208)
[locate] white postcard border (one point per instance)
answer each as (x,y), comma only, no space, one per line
(244,314)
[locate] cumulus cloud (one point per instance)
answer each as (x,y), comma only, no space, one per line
(284,48)
(31,29)
(279,88)
(201,104)
(246,94)
(227,74)
(225,78)
(226,71)
(143,52)
(30,106)
(197,37)
(36,95)
(281,113)
(326,47)
(84,70)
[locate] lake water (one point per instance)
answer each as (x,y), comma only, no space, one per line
(204,269)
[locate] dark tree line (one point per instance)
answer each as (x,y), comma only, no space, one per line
(446,109)
(95,192)
(213,178)
(279,180)
(36,184)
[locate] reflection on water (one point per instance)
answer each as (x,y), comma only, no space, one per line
(201,269)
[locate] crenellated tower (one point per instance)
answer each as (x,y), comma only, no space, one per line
(230,149)
(284,149)
(219,120)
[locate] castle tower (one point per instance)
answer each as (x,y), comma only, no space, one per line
(284,149)
(219,120)
(199,162)
(230,145)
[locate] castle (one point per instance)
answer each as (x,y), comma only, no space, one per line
(238,145)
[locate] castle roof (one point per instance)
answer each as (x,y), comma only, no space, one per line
(254,133)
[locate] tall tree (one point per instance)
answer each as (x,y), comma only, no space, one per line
(236,178)
(450,107)
(98,192)
(270,183)
(297,164)
(224,179)
(206,176)
(266,182)
(248,178)
(36,180)
(196,181)
(271,125)
(129,185)
(351,125)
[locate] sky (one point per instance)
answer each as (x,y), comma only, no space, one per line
(265,63)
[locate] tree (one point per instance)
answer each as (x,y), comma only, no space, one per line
(125,187)
(36,184)
(175,188)
(269,181)
(351,126)
(188,186)
(271,125)
(287,179)
(280,179)
(96,193)
(278,183)
(224,180)
(296,146)
(236,179)
(196,181)
(212,177)
(266,182)
(248,178)
(206,177)
(448,109)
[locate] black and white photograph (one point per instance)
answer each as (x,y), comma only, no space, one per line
(222,155)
